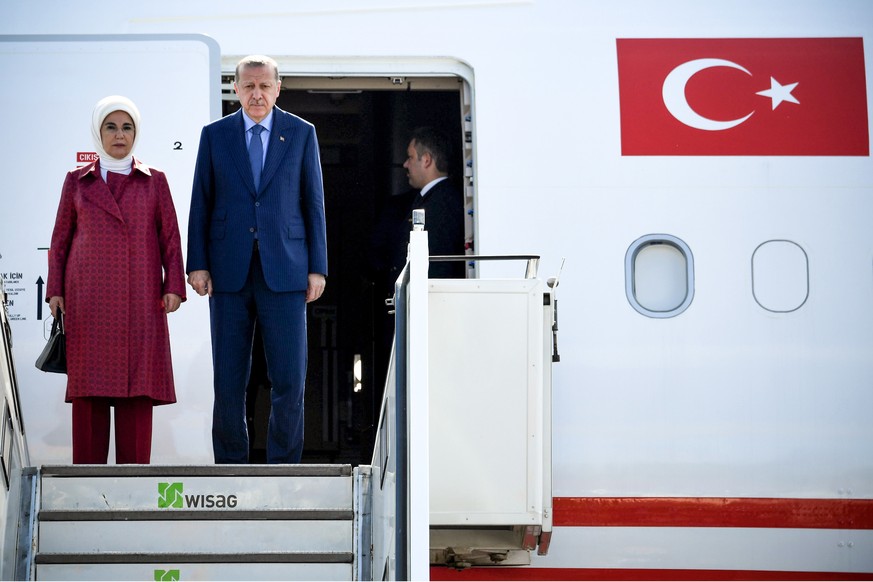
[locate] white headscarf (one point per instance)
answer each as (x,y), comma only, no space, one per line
(103,108)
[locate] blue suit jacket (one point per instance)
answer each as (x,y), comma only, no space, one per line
(287,212)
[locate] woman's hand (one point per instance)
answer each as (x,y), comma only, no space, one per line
(171,302)
(56,303)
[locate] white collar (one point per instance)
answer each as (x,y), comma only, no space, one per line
(431,184)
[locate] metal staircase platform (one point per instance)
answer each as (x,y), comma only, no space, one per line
(217,522)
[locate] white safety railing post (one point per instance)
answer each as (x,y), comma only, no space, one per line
(418,429)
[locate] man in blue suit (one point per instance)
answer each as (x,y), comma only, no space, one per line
(257,246)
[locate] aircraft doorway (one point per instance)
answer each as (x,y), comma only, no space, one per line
(363,127)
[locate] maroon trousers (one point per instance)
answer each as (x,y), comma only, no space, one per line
(133,430)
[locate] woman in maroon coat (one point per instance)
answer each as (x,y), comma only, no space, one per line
(115,271)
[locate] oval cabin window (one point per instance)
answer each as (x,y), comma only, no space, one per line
(780,276)
(659,274)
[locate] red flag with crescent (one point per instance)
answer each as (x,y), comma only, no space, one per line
(750,96)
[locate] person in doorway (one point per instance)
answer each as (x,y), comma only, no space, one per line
(427,169)
(257,245)
(115,272)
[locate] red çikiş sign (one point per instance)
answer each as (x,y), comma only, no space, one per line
(86,157)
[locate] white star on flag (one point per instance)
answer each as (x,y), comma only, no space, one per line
(779,93)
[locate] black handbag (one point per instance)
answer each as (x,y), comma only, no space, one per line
(54,355)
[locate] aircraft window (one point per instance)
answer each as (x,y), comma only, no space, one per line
(780,276)
(659,275)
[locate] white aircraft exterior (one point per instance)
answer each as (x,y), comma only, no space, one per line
(712,404)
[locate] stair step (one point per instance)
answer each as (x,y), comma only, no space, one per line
(191,515)
(175,488)
(194,536)
(181,570)
(196,558)
(196,470)
(214,522)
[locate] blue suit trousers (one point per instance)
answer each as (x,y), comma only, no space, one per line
(282,320)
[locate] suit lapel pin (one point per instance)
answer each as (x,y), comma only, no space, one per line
(281,138)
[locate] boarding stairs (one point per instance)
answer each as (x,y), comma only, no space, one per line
(282,522)
(486,417)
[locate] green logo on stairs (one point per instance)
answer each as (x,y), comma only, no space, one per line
(169,495)
(161,575)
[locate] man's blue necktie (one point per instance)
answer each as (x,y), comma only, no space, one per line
(256,154)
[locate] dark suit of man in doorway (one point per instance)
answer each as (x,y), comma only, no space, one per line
(427,165)
(427,169)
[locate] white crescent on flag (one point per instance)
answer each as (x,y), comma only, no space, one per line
(673,93)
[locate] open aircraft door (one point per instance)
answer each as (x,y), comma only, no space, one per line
(56,80)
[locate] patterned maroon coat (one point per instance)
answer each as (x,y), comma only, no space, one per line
(112,262)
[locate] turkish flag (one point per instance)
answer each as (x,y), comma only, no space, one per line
(750,96)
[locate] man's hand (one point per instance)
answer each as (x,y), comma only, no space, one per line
(315,287)
(201,282)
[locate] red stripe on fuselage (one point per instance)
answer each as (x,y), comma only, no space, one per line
(713,512)
(523,573)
